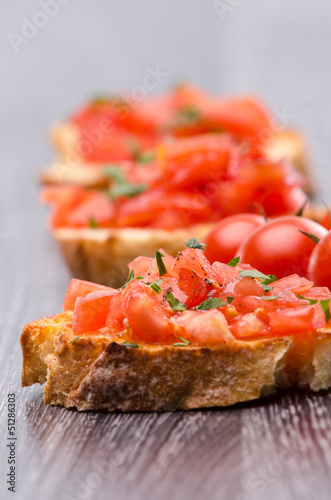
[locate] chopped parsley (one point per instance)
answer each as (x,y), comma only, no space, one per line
(311,301)
(265,279)
(115,173)
(93,223)
(325,306)
(212,303)
(174,303)
(156,285)
(146,157)
(194,243)
(184,342)
(229,299)
(269,297)
(234,262)
(127,189)
(160,264)
(130,344)
(189,114)
(74,340)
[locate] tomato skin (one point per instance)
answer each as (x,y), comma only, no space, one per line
(326,221)
(279,247)
(91,311)
(228,234)
(319,268)
(79,288)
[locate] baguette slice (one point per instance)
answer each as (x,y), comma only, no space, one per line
(102,255)
(70,168)
(96,372)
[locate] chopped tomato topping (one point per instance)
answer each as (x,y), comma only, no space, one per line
(79,288)
(91,311)
(187,300)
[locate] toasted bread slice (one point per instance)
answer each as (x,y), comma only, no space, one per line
(94,371)
(102,255)
(71,168)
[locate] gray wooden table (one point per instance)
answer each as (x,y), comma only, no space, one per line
(278,448)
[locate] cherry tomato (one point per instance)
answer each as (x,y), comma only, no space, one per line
(319,268)
(280,248)
(227,235)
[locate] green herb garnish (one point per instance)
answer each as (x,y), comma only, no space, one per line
(115,173)
(265,279)
(269,297)
(129,278)
(212,303)
(194,243)
(146,157)
(156,285)
(184,342)
(311,301)
(93,223)
(130,344)
(174,303)
(74,340)
(234,262)
(129,190)
(325,306)
(160,264)
(314,238)
(189,114)
(229,299)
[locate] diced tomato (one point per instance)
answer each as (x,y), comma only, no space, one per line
(247,304)
(140,265)
(98,207)
(195,161)
(194,286)
(225,273)
(318,293)
(248,325)
(91,311)
(148,320)
(195,260)
(248,286)
(171,285)
(293,283)
(297,320)
(209,327)
(168,261)
(79,288)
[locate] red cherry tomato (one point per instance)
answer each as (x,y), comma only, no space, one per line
(227,235)
(280,248)
(319,267)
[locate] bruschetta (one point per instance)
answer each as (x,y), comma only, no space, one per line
(113,129)
(191,183)
(180,334)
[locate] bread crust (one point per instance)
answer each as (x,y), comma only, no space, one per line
(96,372)
(102,255)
